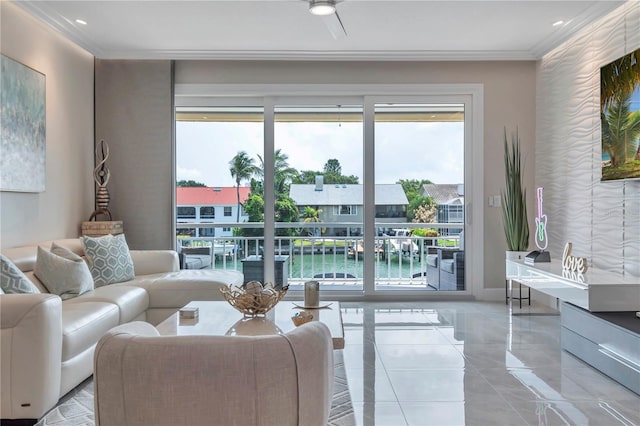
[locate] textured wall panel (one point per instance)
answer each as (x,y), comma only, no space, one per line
(602,219)
(134,115)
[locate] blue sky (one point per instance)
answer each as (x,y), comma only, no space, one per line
(403,150)
(635,99)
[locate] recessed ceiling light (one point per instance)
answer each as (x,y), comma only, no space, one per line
(558,23)
(81,22)
(322,7)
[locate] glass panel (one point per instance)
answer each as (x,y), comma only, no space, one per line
(217,151)
(318,188)
(419,179)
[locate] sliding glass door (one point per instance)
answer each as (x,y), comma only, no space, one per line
(318,189)
(366,194)
(219,215)
(419,196)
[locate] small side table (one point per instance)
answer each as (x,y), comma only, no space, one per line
(253,270)
(100,228)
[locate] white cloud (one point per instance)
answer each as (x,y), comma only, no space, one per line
(188,174)
(403,150)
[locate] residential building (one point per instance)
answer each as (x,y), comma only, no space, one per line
(344,203)
(450,201)
(209,205)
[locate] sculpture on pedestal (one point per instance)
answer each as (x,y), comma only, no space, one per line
(101,175)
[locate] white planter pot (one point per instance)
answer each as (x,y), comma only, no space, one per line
(516,255)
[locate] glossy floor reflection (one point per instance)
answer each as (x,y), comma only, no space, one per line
(471,363)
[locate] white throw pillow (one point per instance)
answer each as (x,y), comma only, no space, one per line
(109,259)
(13,280)
(63,272)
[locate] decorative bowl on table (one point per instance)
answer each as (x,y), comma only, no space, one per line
(253,299)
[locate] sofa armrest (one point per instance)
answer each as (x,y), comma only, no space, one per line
(146,262)
(31,345)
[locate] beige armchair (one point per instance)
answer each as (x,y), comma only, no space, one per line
(142,378)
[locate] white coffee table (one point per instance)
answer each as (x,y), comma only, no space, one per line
(220,318)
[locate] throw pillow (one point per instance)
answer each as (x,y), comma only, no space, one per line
(13,280)
(63,272)
(109,259)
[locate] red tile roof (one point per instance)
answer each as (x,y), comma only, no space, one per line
(203,196)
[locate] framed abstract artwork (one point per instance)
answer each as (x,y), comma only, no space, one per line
(22,128)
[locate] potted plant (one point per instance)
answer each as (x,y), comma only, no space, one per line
(514,199)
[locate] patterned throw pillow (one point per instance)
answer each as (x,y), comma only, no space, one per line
(109,259)
(63,272)
(12,280)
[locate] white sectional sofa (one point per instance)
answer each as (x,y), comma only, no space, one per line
(47,344)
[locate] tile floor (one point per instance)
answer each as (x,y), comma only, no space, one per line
(472,363)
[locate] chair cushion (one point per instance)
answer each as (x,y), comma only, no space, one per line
(109,259)
(447,265)
(432,260)
(84,323)
(130,300)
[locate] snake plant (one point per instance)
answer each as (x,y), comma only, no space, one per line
(514,196)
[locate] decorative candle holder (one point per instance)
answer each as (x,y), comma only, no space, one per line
(311,294)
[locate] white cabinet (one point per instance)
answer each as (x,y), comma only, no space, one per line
(595,291)
(610,342)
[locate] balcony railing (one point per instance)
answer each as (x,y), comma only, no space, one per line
(400,261)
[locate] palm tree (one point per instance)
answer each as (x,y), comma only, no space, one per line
(242,168)
(619,79)
(620,130)
(311,215)
(282,172)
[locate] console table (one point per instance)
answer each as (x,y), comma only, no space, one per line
(597,315)
(595,291)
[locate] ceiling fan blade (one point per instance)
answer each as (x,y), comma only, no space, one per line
(334,25)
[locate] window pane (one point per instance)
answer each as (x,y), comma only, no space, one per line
(207,212)
(419,178)
(186,213)
(318,179)
(217,149)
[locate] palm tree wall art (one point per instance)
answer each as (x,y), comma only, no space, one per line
(620,117)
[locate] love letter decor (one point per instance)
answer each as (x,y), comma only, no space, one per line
(573,263)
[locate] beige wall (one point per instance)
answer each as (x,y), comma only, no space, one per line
(509,96)
(68,198)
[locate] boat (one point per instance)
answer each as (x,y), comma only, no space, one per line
(405,246)
(223,249)
(358,250)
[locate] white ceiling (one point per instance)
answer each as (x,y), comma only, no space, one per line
(284,29)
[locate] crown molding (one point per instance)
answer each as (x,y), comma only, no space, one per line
(69,29)
(43,11)
(596,11)
(308,55)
